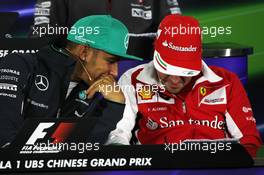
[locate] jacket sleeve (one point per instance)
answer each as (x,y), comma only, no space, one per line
(123,132)
(106,121)
(49,13)
(240,120)
(13,82)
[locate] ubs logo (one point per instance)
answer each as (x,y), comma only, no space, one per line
(41,82)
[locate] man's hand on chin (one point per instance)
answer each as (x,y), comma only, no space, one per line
(108,87)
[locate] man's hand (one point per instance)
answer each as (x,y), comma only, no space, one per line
(108,87)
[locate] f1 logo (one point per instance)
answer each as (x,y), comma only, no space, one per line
(38,133)
(60,134)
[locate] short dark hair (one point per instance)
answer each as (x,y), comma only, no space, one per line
(71,45)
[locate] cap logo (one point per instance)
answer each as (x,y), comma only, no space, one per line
(189,72)
(179,48)
(165,44)
(83,40)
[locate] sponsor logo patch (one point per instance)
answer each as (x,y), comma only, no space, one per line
(203,91)
(41,20)
(45,4)
(146,93)
(34,103)
(251,118)
(11,71)
(140,13)
(152,125)
(42,11)
(41,133)
(150,94)
(246,109)
(215,97)
(8,95)
(170,45)
(41,82)
(10,87)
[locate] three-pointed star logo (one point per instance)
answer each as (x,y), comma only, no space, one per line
(41,82)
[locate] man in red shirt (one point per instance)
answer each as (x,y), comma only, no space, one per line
(177,97)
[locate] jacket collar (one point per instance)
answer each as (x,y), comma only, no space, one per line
(148,75)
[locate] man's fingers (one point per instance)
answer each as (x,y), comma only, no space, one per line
(109,78)
(95,87)
(103,85)
(92,90)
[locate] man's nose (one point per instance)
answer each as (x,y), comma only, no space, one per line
(174,79)
(114,69)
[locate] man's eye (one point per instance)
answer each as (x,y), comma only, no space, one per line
(112,61)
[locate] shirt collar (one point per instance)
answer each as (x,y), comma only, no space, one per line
(148,75)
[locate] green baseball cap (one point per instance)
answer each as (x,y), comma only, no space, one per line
(102,32)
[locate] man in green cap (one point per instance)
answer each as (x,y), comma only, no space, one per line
(63,82)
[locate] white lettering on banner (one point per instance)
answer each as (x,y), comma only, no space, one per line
(34,164)
(24,51)
(3,53)
(145,161)
(140,13)
(108,162)
(67,163)
(5,165)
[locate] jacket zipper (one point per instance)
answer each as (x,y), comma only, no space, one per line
(184,107)
(184,110)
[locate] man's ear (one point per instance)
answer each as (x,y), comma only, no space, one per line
(82,52)
(85,53)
